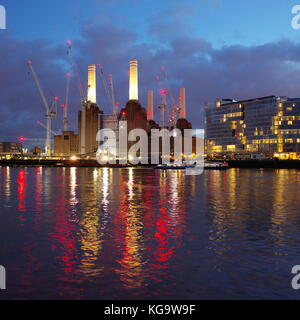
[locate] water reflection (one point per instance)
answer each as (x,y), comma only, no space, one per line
(89,231)
(131,265)
(105,189)
(73,185)
(244,206)
(7,183)
(90,244)
(38,172)
(21,195)
(104,233)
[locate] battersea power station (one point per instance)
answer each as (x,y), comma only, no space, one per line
(91,119)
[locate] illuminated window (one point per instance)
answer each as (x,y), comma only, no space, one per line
(216,149)
(231,148)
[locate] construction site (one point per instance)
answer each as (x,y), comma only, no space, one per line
(78,144)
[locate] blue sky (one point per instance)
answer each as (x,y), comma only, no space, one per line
(219,21)
(214,48)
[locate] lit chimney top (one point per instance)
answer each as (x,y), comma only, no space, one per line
(133,80)
(91,91)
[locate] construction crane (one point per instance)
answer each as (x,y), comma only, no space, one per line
(76,72)
(24,139)
(104,82)
(115,104)
(168,85)
(83,97)
(66,105)
(109,90)
(44,126)
(51,112)
(163,107)
(175,109)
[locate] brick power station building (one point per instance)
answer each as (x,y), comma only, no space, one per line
(91,118)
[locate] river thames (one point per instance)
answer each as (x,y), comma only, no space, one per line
(83,233)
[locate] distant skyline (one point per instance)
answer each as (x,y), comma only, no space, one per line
(213,48)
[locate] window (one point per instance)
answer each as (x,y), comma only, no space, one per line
(289,141)
(231,148)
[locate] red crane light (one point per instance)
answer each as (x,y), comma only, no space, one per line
(163,92)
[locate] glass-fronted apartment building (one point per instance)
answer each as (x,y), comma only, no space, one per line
(267,126)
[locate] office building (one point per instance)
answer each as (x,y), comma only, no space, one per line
(269,126)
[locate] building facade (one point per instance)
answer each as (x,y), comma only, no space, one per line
(11,147)
(88,126)
(267,126)
(66,144)
(111,122)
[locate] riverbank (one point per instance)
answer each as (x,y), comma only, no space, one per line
(56,163)
(276,164)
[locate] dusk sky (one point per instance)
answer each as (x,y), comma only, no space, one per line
(214,48)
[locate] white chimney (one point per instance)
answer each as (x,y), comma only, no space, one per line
(92,94)
(150,115)
(133,80)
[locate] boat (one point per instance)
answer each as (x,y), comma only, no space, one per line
(175,166)
(216,165)
(181,166)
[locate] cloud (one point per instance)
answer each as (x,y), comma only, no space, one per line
(206,72)
(20,105)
